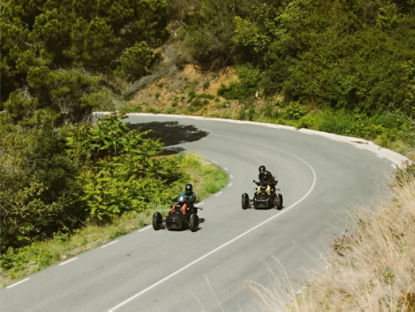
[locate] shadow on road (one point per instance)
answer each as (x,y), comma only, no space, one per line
(171,133)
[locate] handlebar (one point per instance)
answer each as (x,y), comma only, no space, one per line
(263,183)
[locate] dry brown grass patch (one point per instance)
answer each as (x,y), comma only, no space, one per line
(160,95)
(370,270)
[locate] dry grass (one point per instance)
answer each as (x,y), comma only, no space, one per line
(170,93)
(370,270)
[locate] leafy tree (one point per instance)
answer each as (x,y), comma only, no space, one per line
(136,61)
(209,35)
(256,32)
(343,65)
(42,40)
(94,44)
(20,104)
(39,192)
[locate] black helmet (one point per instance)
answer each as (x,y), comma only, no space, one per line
(261,168)
(188,188)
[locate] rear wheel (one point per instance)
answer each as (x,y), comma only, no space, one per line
(157,221)
(193,222)
(245,201)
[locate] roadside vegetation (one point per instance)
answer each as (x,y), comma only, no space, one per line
(342,67)
(17,263)
(370,268)
(346,67)
(66,184)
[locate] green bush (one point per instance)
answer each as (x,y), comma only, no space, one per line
(39,192)
(20,104)
(246,86)
(191,94)
(120,172)
(136,61)
(294,111)
(387,127)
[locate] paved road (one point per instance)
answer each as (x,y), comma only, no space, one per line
(322,181)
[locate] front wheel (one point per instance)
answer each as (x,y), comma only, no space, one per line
(157,221)
(278,201)
(193,222)
(245,201)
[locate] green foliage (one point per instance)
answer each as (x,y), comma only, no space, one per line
(55,179)
(388,16)
(120,172)
(245,87)
(102,99)
(206,85)
(16,263)
(210,31)
(342,55)
(73,93)
(38,186)
(337,59)
(294,111)
(70,92)
(359,80)
(191,95)
(136,61)
(383,127)
(206,177)
(110,137)
(93,43)
(271,111)
(20,104)
(196,101)
(254,33)
(43,43)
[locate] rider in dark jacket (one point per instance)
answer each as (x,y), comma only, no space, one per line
(189,196)
(266,177)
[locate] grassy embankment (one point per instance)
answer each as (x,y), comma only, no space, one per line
(371,267)
(206,178)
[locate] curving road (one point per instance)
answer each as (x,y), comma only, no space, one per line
(321,180)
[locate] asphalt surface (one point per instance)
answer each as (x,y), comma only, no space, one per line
(322,182)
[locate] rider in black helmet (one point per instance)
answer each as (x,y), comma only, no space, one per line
(261,170)
(189,195)
(266,177)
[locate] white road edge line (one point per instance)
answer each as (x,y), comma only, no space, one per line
(70,260)
(223,245)
(19,282)
(230,184)
(145,228)
(231,176)
(201,203)
(109,244)
(226,169)
(218,194)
